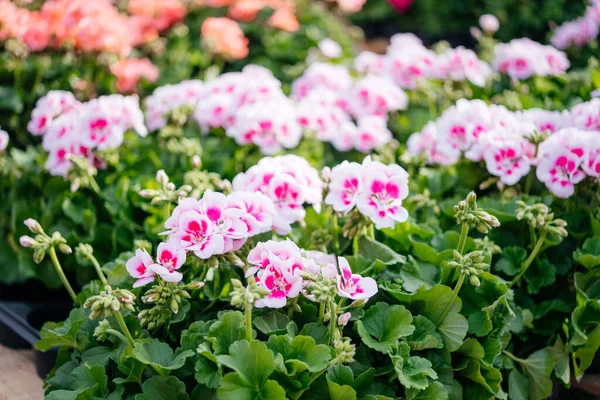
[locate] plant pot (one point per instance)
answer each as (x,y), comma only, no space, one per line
(20,325)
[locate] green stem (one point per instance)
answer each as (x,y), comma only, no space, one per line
(61,273)
(355,247)
(371,231)
(321,312)
(334,232)
(513,357)
(99,270)
(124,328)
(530,259)
(531,174)
(167,210)
(332,321)
(118,335)
(95,187)
(464,231)
(292,307)
(450,302)
(248,322)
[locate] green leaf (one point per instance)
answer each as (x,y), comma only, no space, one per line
(425,335)
(253,363)
(300,353)
(87,376)
(207,372)
(382,325)
(539,275)
(589,254)
(340,379)
(230,328)
(518,385)
(319,332)
(274,323)
(413,371)
(435,391)
(160,356)
(431,304)
(473,349)
(511,261)
(587,285)
(415,274)
(84,394)
(161,388)
(538,367)
(99,355)
(480,323)
(585,355)
(55,334)
(560,356)
(194,335)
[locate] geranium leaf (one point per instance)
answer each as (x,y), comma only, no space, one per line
(435,391)
(518,385)
(539,275)
(272,323)
(300,353)
(413,372)
(480,323)
(589,253)
(382,325)
(511,261)
(161,388)
(415,274)
(207,372)
(160,356)
(560,355)
(229,329)
(87,376)
(55,334)
(538,367)
(425,335)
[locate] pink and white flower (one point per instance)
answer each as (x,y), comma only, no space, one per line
(372,133)
(587,115)
(345,185)
(523,58)
(375,95)
(334,77)
(506,156)
(461,64)
(139,268)
(354,286)
(168,260)
(168,97)
(4,139)
(369,63)
(53,104)
(384,188)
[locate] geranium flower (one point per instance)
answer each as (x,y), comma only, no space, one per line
(354,286)
(168,260)
(139,268)
(345,185)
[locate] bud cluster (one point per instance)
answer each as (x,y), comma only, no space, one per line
(539,217)
(109,301)
(344,350)
(424,201)
(321,289)
(166,298)
(471,265)
(243,297)
(467,213)
(41,243)
(84,253)
(321,237)
(537,137)
(201,181)
(166,192)
(355,223)
(82,173)
(487,246)
(102,331)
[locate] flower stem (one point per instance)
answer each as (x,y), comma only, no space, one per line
(167,210)
(292,307)
(119,335)
(371,231)
(464,231)
(98,270)
(61,273)
(124,328)
(321,313)
(248,322)
(95,187)
(512,356)
(334,232)
(530,259)
(459,284)
(332,321)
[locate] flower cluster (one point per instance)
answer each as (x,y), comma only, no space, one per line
(375,189)
(223,36)
(288,181)
(129,71)
(168,260)
(283,16)
(71,128)
(329,100)
(506,142)
(285,271)
(89,26)
(408,61)
(580,31)
(167,98)
(217,224)
(524,58)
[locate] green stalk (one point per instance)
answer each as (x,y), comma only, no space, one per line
(334,231)
(332,320)
(248,322)
(464,231)
(124,328)
(371,231)
(459,284)
(99,270)
(292,307)
(61,273)
(321,312)
(167,210)
(118,335)
(531,257)
(95,187)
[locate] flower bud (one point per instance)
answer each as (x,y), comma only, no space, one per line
(64,248)
(196,161)
(161,177)
(474,280)
(170,186)
(194,285)
(489,23)
(38,256)
(343,319)
(33,225)
(27,241)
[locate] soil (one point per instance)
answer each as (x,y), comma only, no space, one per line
(18,379)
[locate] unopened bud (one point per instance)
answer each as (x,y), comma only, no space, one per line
(27,241)
(64,248)
(194,285)
(343,319)
(33,225)
(196,161)
(161,177)
(474,280)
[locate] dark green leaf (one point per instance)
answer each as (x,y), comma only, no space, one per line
(383,325)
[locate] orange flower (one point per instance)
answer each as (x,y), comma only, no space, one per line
(285,20)
(224,36)
(162,13)
(245,10)
(129,71)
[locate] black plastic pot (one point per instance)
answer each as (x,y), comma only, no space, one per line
(20,325)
